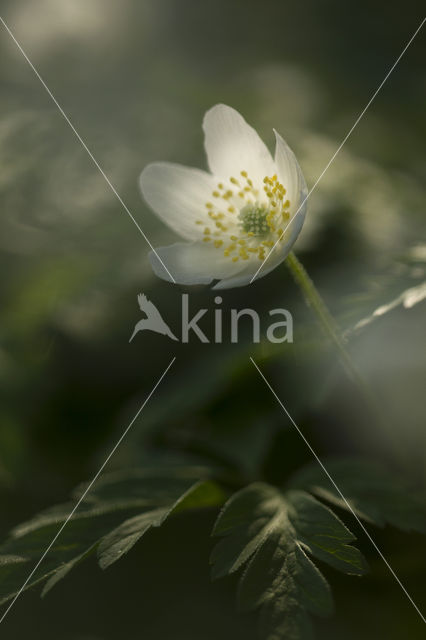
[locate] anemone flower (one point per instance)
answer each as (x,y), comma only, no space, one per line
(232,217)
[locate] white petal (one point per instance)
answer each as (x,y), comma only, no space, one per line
(289,173)
(233,146)
(244,277)
(240,280)
(193,263)
(178,195)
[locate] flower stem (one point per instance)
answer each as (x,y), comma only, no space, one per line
(329,325)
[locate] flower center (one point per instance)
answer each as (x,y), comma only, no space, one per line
(242,220)
(253,219)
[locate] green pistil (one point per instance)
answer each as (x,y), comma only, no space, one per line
(253,220)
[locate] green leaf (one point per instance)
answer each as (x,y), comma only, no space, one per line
(79,535)
(119,541)
(375,493)
(114,545)
(65,569)
(111,519)
(274,534)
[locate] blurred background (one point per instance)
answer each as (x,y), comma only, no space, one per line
(135,77)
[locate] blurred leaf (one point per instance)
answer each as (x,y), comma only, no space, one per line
(35,299)
(121,508)
(375,493)
(236,440)
(207,378)
(274,532)
(407,299)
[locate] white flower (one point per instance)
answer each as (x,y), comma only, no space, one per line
(233,216)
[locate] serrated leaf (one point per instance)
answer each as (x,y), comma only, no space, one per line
(119,499)
(10,565)
(376,494)
(64,569)
(324,535)
(114,545)
(78,536)
(274,533)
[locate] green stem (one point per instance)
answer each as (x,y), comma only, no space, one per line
(329,325)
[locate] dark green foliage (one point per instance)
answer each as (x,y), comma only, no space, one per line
(375,493)
(114,516)
(275,533)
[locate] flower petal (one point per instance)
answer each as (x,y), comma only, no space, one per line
(290,174)
(240,280)
(193,263)
(178,195)
(233,146)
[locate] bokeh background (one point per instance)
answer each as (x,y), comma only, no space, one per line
(136,77)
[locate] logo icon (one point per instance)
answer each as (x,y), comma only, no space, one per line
(153,320)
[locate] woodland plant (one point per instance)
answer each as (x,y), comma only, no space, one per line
(279,535)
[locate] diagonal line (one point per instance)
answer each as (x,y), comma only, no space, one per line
(345,139)
(85,147)
(339,492)
(86,491)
